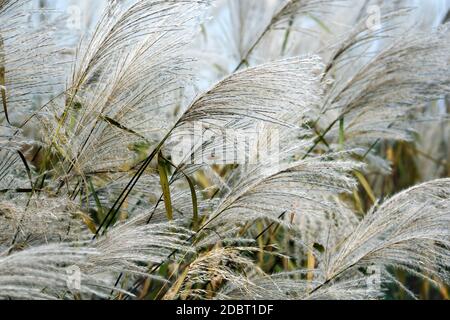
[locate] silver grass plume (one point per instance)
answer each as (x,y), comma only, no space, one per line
(111,91)
(128,94)
(40,272)
(408,231)
(378,100)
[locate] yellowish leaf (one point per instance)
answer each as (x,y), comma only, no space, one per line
(366,186)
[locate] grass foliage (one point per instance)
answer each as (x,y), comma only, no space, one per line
(356,207)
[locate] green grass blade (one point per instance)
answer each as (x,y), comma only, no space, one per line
(194,201)
(97,200)
(194,198)
(320,23)
(165,186)
(120,126)
(27,168)
(342,133)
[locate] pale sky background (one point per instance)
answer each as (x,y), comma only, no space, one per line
(91,9)
(87,13)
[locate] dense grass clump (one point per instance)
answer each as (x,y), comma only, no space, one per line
(200,149)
